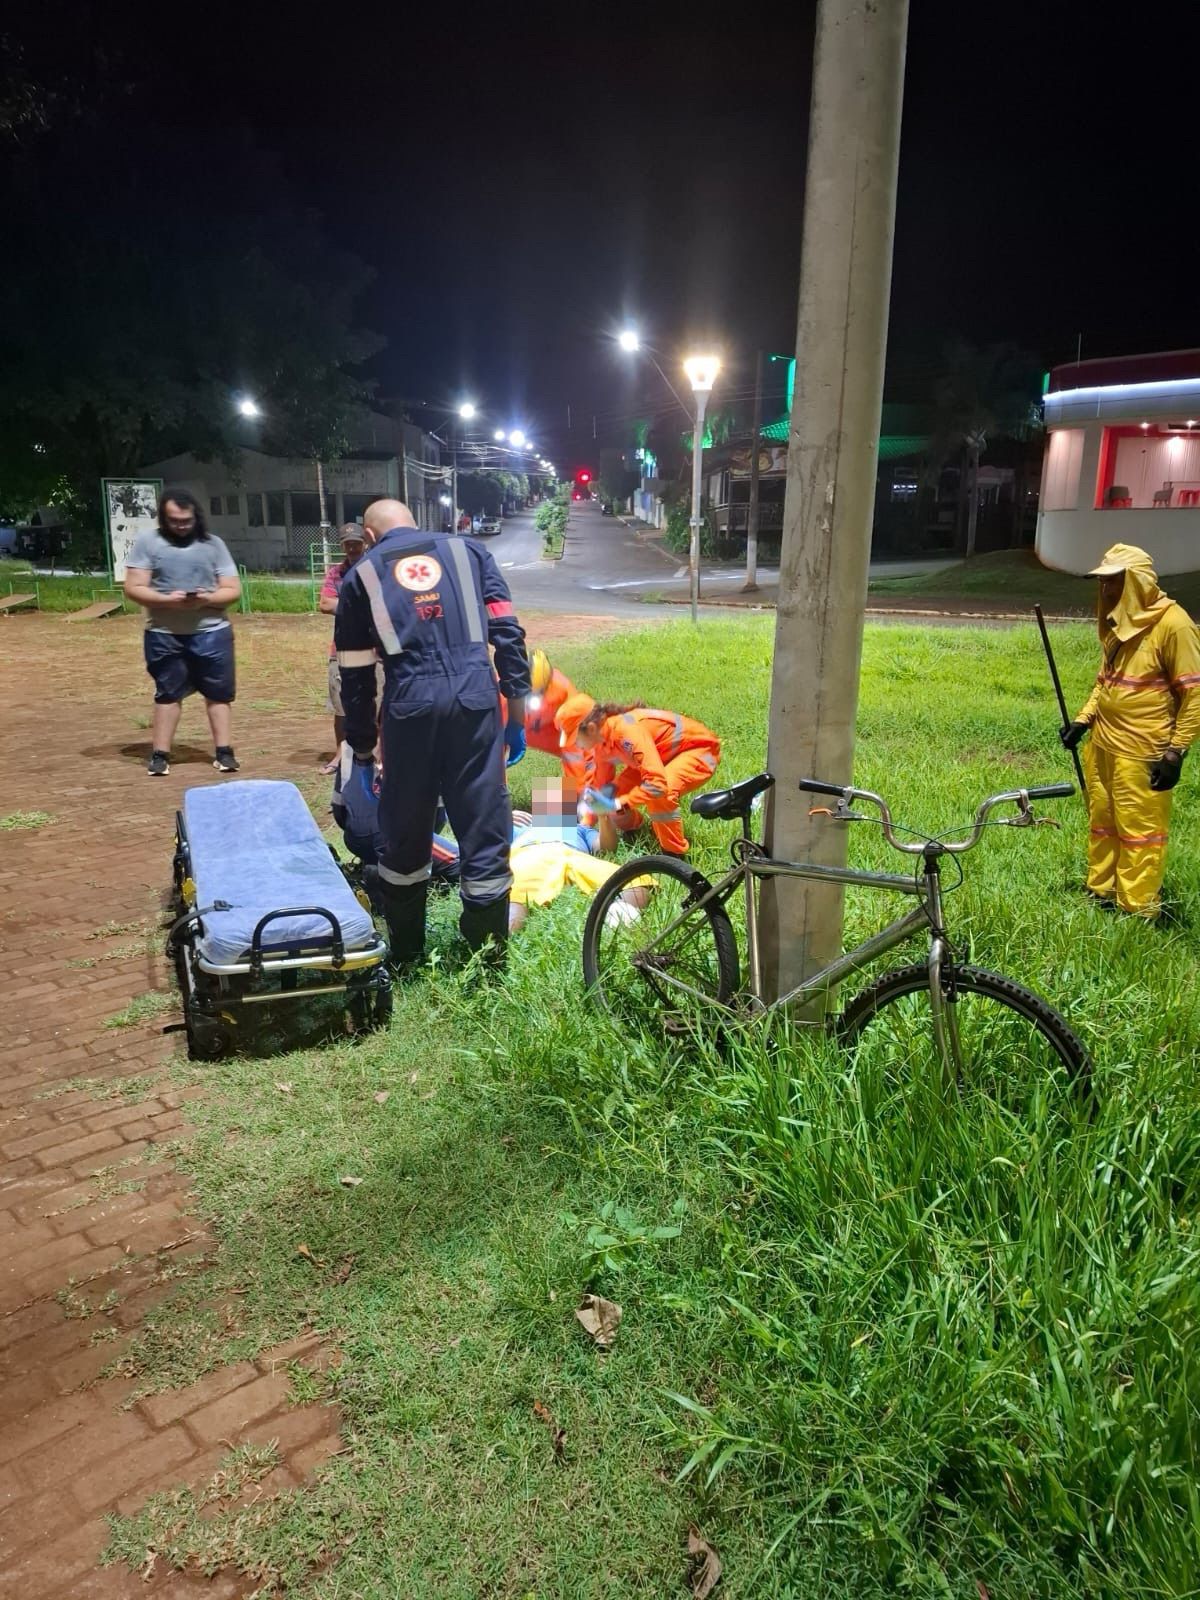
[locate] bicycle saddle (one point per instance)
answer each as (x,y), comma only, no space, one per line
(727,804)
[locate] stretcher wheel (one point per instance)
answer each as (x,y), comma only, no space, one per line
(208,1039)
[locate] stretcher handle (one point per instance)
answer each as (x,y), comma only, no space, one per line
(1051,791)
(339,944)
(815,786)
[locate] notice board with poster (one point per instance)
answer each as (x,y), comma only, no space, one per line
(130,508)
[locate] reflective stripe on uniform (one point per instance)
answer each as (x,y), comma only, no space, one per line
(403,880)
(663,816)
(1142,839)
(472,600)
(484,889)
(384,626)
(709,758)
(356,658)
(1186,680)
(1117,680)
(677,736)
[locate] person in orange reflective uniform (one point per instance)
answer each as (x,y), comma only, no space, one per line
(549,690)
(661,755)
(1143,713)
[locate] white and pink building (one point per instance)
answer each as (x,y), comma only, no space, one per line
(1122,461)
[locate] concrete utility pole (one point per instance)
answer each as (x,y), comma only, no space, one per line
(751,583)
(845,278)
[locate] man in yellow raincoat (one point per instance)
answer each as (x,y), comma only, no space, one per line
(1143,713)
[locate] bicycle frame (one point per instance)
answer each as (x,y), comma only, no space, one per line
(753,866)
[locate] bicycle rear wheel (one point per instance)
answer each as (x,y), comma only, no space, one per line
(651,953)
(1014,1048)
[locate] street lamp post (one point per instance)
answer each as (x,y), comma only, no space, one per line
(702,374)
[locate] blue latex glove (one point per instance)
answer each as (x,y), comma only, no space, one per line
(514,739)
(359,798)
(601,801)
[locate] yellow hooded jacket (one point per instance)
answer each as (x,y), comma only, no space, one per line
(1147,693)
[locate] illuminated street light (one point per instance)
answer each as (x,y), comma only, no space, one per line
(517,437)
(702,374)
(248,408)
(628,339)
(467,410)
(500,435)
(445,499)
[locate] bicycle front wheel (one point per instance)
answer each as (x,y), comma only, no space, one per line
(1011,1047)
(652,952)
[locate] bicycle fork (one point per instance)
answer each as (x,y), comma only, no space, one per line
(943,1007)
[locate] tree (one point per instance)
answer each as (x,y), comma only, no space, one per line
(982,394)
(129,325)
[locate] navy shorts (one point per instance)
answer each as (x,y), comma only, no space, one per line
(191,663)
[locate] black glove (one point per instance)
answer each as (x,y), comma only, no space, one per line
(1164,773)
(1071,735)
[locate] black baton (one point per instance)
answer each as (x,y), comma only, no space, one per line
(1057,682)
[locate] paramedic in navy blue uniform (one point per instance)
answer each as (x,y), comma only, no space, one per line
(430,604)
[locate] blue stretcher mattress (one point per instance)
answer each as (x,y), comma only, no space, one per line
(255,844)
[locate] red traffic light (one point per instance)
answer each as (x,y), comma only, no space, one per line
(583,476)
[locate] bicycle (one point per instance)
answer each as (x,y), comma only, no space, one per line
(676,946)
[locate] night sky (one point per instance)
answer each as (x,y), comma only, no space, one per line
(523,180)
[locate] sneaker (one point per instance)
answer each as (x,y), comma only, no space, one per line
(225,761)
(159,765)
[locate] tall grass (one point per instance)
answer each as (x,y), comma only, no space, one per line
(953,1345)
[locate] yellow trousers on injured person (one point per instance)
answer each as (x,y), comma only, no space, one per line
(1129,824)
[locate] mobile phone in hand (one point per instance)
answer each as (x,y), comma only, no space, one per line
(190,594)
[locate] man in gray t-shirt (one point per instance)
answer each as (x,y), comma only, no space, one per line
(187,580)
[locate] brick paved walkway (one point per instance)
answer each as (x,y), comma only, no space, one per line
(82,1255)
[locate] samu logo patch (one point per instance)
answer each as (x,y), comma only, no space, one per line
(417,573)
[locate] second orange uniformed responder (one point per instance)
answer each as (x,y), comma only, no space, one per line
(662,756)
(550,688)
(1143,713)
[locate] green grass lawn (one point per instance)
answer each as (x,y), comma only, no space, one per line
(1017,579)
(881,1344)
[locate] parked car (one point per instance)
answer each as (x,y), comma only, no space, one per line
(489,525)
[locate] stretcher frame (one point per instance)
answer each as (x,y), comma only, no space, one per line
(212,992)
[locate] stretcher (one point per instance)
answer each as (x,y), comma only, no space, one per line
(265,912)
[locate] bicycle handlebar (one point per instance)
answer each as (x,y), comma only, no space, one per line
(1018,797)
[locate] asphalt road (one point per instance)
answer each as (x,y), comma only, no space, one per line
(606,570)
(601,554)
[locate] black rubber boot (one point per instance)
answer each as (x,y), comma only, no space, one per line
(404,909)
(486,928)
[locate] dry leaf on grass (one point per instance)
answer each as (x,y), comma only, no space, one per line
(381,1097)
(285,1088)
(706,1564)
(413,1076)
(343,1269)
(349,1182)
(304,1251)
(558,1436)
(600,1319)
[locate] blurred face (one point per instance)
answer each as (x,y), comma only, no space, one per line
(1111,590)
(352,549)
(555,798)
(180,520)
